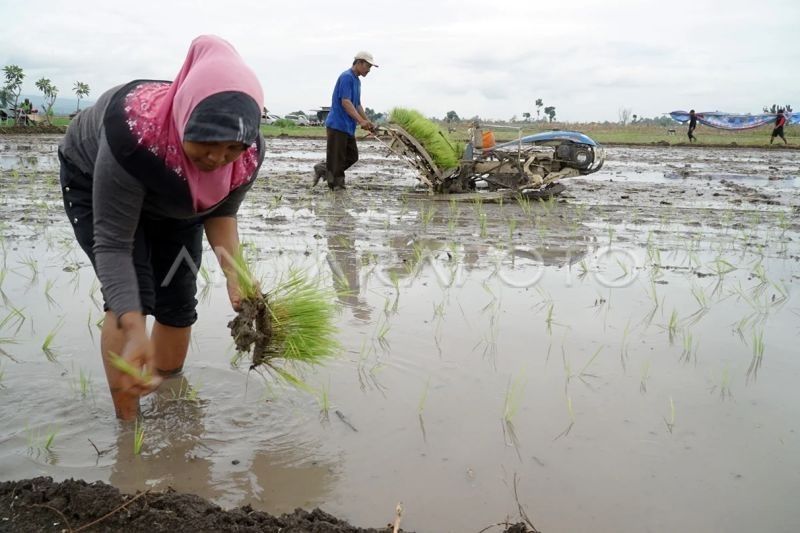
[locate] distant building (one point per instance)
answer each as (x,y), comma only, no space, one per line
(321,114)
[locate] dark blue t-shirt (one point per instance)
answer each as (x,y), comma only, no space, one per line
(347,86)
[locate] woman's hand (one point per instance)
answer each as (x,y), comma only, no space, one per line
(139,352)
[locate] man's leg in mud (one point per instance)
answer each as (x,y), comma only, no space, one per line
(112,340)
(171,346)
(351,153)
(336,157)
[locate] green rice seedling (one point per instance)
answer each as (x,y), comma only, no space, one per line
(121,364)
(583,269)
(514,392)
(138,436)
(725,384)
(32,265)
(583,374)
(445,154)
(702,300)
(15,317)
(381,330)
(2,375)
(3,294)
(47,288)
(47,344)
(93,294)
(671,421)
(549,319)
(426,215)
(423,397)
(525,204)
(83,384)
(689,348)
(672,326)
(293,322)
(623,349)
(186,393)
(49,439)
(482,222)
(721,267)
(512,226)
(645,375)
(571,414)
(758,355)
(323,398)
(7,340)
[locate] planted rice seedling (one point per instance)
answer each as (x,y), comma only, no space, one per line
(689,348)
(758,355)
(138,436)
(426,214)
(83,383)
(423,397)
(15,317)
(48,341)
(323,398)
(645,375)
(47,287)
(671,421)
(672,326)
(514,392)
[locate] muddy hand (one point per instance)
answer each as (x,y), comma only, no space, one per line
(137,379)
(235,294)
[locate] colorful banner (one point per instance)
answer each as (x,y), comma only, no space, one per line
(729,121)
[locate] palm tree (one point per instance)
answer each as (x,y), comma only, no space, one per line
(81,89)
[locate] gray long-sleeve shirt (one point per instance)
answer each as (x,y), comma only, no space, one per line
(120,199)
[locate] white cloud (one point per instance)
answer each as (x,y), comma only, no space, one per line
(475,57)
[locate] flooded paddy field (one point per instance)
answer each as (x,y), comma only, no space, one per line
(621,358)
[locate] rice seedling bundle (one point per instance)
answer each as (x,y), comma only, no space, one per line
(445,153)
(291,323)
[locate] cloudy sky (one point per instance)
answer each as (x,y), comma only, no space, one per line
(589,59)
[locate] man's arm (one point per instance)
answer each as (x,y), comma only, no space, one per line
(357,114)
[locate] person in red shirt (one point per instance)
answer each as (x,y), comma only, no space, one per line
(778,131)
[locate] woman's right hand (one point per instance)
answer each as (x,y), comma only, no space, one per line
(139,352)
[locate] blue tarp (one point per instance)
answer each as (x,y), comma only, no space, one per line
(730,121)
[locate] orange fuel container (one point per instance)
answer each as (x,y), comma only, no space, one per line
(488,140)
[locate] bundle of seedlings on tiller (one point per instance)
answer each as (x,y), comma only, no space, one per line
(445,153)
(293,322)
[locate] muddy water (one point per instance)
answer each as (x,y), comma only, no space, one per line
(625,355)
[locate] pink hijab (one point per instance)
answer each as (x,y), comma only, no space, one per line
(157,115)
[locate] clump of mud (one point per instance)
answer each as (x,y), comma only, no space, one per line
(251,328)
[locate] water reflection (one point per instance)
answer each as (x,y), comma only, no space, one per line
(266,469)
(343,258)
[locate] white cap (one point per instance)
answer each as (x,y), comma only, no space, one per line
(365,56)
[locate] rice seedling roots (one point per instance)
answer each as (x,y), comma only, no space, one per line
(251,328)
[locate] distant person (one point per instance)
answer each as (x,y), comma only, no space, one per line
(692,126)
(346,113)
(144,171)
(780,121)
(25,109)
